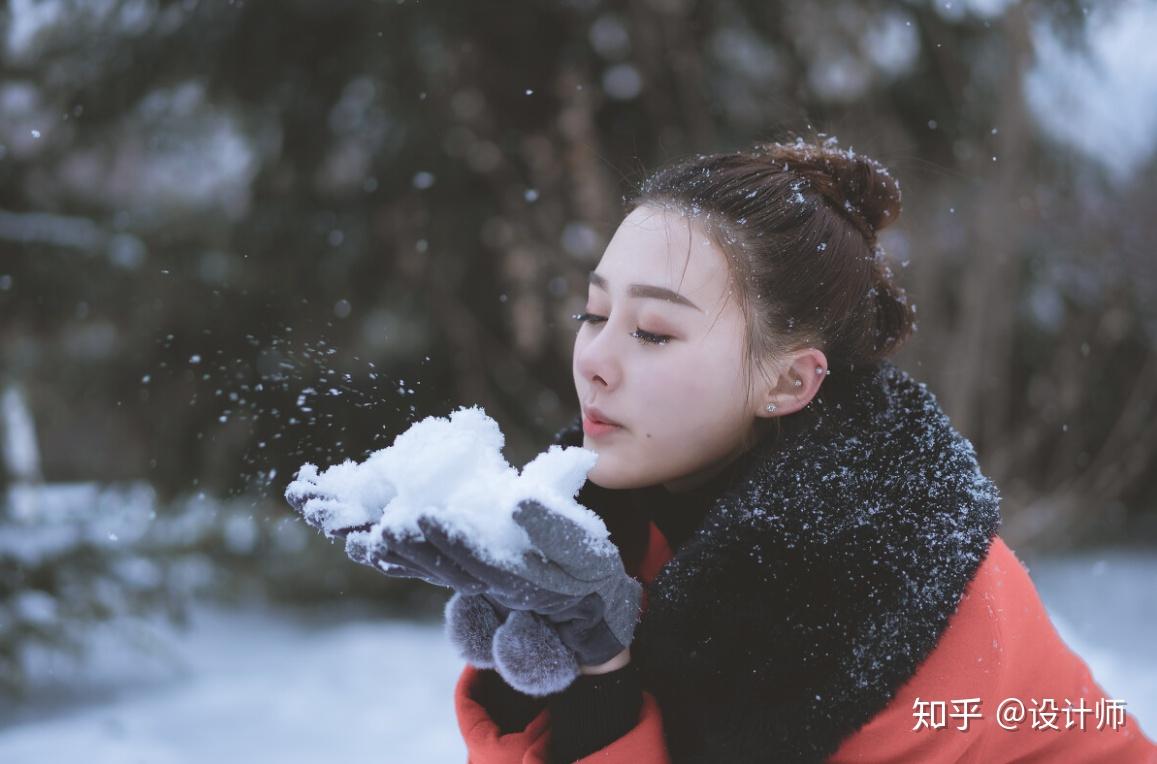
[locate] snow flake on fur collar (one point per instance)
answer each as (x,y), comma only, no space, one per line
(820,578)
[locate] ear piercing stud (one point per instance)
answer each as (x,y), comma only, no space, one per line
(771,407)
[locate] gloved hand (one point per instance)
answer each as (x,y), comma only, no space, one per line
(568,602)
(338,520)
(334,517)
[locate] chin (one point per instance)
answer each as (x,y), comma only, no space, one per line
(608,472)
(599,474)
(610,479)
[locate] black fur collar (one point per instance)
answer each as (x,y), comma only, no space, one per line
(820,578)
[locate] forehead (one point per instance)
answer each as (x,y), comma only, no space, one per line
(666,248)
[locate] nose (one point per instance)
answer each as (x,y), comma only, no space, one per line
(596,359)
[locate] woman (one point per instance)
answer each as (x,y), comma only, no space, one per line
(815,544)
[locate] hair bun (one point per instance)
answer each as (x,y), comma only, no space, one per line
(857,185)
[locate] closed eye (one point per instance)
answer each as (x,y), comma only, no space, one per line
(647,338)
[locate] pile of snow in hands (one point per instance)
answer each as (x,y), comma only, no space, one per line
(453,471)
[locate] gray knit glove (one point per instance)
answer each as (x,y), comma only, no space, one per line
(567,603)
(338,520)
(326,513)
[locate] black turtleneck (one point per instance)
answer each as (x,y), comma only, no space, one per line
(594,711)
(679,514)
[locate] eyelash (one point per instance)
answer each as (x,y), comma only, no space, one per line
(644,337)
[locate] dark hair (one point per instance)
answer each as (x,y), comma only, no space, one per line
(798,223)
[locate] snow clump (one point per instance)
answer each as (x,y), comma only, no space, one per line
(451,470)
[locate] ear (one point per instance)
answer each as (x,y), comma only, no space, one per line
(797,381)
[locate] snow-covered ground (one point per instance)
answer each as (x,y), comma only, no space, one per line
(268,684)
(248,686)
(1104,604)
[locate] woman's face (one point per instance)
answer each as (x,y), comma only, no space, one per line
(681,404)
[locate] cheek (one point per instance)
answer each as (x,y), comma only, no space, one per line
(697,400)
(709,380)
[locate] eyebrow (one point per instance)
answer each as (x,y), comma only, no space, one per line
(646,290)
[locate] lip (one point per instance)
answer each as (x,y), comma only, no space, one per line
(596,415)
(596,423)
(597,429)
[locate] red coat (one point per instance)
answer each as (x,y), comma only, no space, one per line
(998,644)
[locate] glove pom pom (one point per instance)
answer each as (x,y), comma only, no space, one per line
(531,657)
(470,624)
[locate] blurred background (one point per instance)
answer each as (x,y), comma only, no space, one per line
(239,236)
